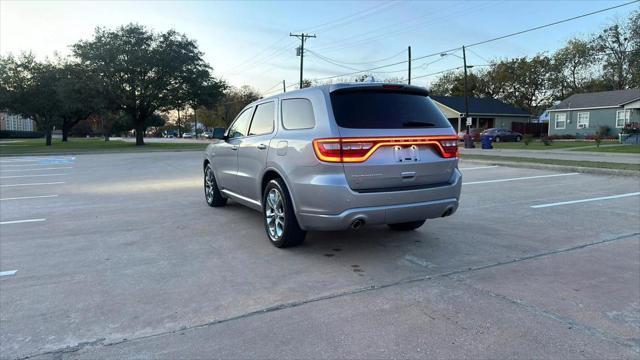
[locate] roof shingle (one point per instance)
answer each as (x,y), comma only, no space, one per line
(598,99)
(480,106)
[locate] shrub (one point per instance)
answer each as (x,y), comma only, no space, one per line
(547,140)
(527,138)
(603,131)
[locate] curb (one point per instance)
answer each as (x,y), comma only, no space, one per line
(580,169)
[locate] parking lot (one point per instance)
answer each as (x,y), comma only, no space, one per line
(119,256)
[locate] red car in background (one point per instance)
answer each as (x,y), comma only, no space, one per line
(474,132)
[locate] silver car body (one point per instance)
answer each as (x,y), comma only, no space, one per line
(331,196)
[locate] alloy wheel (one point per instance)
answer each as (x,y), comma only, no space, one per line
(274,214)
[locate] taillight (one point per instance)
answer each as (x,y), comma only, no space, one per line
(353,150)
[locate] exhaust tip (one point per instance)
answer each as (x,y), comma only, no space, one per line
(357,224)
(447,212)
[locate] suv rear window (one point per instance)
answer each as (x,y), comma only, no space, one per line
(384,109)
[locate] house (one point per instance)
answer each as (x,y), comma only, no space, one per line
(485,112)
(583,114)
(14,122)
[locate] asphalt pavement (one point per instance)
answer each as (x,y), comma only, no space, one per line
(118,256)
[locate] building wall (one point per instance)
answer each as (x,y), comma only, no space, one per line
(13,122)
(597,118)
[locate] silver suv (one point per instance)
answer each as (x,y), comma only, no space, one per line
(336,157)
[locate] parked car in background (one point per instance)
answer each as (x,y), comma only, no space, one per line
(500,135)
(474,132)
(187,135)
(170,134)
(335,157)
(207,134)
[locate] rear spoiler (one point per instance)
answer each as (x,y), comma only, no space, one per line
(395,88)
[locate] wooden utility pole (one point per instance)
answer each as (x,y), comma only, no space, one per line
(409,75)
(303,37)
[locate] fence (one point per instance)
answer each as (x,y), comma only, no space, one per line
(535,129)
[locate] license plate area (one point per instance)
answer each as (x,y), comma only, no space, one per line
(406,154)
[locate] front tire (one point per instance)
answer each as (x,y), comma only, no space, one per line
(498,139)
(407,226)
(279,218)
(212,193)
(518,138)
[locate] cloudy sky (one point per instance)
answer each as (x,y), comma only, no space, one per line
(249,42)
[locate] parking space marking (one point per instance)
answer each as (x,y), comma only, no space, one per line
(33,184)
(518,178)
(8,273)
(28,197)
(479,167)
(31,175)
(586,200)
(39,169)
(21,221)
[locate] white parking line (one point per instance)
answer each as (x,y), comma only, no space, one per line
(33,175)
(33,184)
(586,200)
(518,178)
(479,167)
(8,273)
(21,221)
(29,197)
(38,169)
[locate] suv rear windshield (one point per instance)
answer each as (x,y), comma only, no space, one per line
(384,109)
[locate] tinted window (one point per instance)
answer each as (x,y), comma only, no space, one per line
(240,126)
(263,119)
(371,109)
(297,114)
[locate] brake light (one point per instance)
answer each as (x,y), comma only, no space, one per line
(354,150)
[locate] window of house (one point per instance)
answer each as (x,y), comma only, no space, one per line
(622,118)
(297,114)
(263,119)
(583,120)
(561,120)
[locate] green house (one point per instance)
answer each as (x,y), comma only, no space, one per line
(583,114)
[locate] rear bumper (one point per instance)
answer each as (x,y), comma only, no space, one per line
(378,208)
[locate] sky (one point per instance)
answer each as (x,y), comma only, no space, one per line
(248,42)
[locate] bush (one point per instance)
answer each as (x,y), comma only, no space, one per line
(603,131)
(527,139)
(547,140)
(631,128)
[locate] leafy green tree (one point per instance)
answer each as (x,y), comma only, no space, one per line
(573,67)
(30,88)
(615,45)
(233,102)
(80,93)
(143,72)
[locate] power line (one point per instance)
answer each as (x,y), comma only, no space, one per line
(403,51)
(551,24)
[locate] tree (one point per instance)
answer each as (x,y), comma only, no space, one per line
(80,93)
(573,67)
(233,101)
(615,47)
(30,88)
(143,72)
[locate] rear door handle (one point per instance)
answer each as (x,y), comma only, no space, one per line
(234,147)
(262,146)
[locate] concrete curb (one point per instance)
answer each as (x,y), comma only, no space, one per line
(581,169)
(3,155)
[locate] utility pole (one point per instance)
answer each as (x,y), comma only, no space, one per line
(284,87)
(195,120)
(468,140)
(303,37)
(409,81)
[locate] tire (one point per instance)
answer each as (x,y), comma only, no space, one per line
(411,225)
(212,193)
(518,138)
(280,221)
(498,139)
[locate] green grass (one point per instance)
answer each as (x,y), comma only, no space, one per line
(625,149)
(587,164)
(539,145)
(79,146)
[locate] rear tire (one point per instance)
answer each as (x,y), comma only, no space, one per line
(498,139)
(212,193)
(518,138)
(280,220)
(406,226)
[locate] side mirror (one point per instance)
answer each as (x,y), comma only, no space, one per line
(218,133)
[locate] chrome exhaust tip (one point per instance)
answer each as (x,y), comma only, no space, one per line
(357,224)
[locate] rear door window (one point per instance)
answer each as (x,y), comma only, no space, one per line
(383,109)
(263,119)
(297,114)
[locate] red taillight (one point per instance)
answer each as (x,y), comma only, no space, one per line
(354,150)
